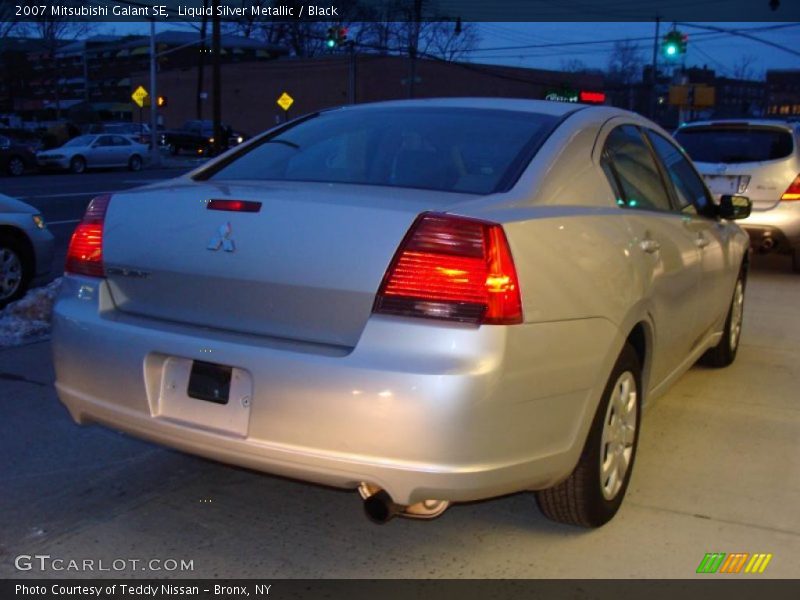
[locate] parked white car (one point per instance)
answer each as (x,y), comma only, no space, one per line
(94,151)
(26,249)
(760,159)
(429,301)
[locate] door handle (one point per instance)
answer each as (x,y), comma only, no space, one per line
(701,240)
(650,246)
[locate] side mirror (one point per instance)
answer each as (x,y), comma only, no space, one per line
(734,207)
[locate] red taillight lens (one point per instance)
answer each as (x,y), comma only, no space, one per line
(793,191)
(452,268)
(85,253)
(234,205)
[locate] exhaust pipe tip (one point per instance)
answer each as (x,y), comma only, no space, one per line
(767,244)
(380,509)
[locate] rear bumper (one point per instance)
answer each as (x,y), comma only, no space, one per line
(422,410)
(781,224)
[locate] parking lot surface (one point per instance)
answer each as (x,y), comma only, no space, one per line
(718,470)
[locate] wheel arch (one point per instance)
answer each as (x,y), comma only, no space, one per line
(19,236)
(640,338)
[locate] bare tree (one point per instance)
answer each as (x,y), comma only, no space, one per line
(52,33)
(447,40)
(7,22)
(625,63)
(743,68)
(573,65)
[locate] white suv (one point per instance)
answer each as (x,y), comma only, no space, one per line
(759,159)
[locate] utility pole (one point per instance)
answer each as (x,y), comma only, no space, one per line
(155,157)
(201,67)
(216,83)
(654,70)
(412,47)
(351,95)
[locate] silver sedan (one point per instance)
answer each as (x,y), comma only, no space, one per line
(26,249)
(426,301)
(94,151)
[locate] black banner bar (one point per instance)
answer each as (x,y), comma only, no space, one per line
(177,11)
(729,588)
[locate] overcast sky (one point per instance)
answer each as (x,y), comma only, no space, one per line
(719,51)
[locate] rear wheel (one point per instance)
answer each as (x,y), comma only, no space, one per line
(593,493)
(724,353)
(135,163)
(796,260)
(15,166)
(77,165)
(14,274)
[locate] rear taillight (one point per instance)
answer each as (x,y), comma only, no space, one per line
(85,253)
(793,191)
(452,268)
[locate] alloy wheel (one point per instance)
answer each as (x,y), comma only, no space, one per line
(10,273)
(619,435)
(16,167)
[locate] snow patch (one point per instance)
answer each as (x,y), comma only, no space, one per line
(29,318)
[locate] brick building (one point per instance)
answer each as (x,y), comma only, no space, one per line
(250,89)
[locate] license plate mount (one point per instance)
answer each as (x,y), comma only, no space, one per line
(210,382)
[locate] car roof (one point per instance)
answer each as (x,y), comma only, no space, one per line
(788,125)
(488,103)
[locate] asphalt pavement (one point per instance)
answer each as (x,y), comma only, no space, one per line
(62,197)
(718,470)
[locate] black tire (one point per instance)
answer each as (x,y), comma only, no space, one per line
(724,353)
(15,270)
(135,163)
(15,166)
(581,500)
(77,165)
(796,260)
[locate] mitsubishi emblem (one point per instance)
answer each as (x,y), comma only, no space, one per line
(222,239)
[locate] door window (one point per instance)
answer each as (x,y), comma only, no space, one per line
(690,191)
(632,171)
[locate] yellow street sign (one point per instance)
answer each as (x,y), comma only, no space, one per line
(285,101)
(140,96)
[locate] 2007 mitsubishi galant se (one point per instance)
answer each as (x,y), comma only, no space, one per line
(429,301)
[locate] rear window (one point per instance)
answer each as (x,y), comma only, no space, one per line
(735,144)
(448,149)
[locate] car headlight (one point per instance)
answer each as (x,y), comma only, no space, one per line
(239,140)
(38,221)
(211,140)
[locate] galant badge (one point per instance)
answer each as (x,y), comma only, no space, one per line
(222,239)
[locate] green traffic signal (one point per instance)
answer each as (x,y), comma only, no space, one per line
(330,40)
(674,44)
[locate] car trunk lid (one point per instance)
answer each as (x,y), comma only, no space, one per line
(306,266)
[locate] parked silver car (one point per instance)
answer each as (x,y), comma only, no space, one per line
(428,301)
(95,151)
(26,249)
(758,158)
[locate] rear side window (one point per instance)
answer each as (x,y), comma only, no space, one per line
(735,143)
(447,149)
(632,171)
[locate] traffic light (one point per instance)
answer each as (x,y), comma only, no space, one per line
(330,40)
(674,44)
(337,37)
(161,101)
